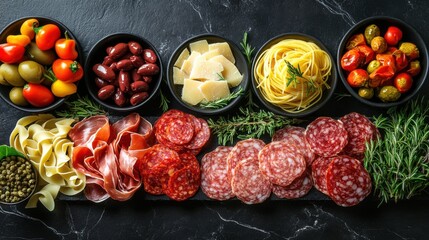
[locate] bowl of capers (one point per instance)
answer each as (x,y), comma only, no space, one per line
(18,178)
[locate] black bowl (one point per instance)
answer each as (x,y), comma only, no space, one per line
(409,34)
(327,93)
(13,29)
(240,63)
(97,54)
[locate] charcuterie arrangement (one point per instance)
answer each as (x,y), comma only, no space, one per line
(259,154)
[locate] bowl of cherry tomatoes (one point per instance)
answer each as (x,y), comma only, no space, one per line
(40,64)
(382,61)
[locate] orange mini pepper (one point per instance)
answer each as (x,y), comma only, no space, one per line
(21,40)
(66,48)
(27,27)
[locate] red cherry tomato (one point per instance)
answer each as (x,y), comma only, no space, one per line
(357,78)
(393,35)
(401,60)
(37,95)
(380,76)
(11,53)
(67,70)
(403,82)
(356,40)
(46,36)
(351,60)
(387,60)
(367,51)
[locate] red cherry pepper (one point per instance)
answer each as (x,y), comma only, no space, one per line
(11,53)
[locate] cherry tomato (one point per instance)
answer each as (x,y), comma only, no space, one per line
(37,95)
(403,82)
(11,53)
(401,60)
(66,48)
(367,51)
(46,36)
(380,76)
(356,40)
(393,35)
(351,60)
(387,60)
(357,78)
(67,70)
(414,68)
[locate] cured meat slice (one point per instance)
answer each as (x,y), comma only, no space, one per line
(214,174)
(294,190)
(347,180)
(201,137)
(184,183)
(180,130)
(248,148)
(188,159)
(158,154)
(248,184)
(295,136)
(326,136)
(318,172)
(280,163)
(89,130)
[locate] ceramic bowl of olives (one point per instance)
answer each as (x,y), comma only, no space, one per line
(382,61)
(40,64)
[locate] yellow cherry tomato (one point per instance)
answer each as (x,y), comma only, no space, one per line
(61,89)
(21,40)
(27,27)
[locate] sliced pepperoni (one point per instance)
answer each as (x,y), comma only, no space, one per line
(294,191)
(248,148)
(326,136)
(201,137)
(280,163)
(348,182)
(318,173)
(214,182)
(360,130)
(296,136)
(183,184)
(188,159)
(158,154)
(180,130)
(248,184)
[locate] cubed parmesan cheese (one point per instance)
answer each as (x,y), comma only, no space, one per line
(230,72)
(224,49)
(191,92)
(179,76)
(189,62)
(201,46)
(214,90)
(206,70)
(182,57)
(210,54)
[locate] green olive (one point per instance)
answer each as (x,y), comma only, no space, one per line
(43,57)
(16,96)
(31,71)
(371,32)
(366,93)
(378,44)
(2,81)
(11,75)
(374,64)
(389,94)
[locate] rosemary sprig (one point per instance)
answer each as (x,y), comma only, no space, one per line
(295,73)
(340,96)
(82,107)
(220,103)
(221,78)
(163,102)
(247,124)
(399,163)
(247,49)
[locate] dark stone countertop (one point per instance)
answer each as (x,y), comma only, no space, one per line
(166,24)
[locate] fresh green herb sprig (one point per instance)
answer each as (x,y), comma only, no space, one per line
(80,108)
(247,124)
(340,96)
(163,102)
(399,162)
(247,49)
(294,74)
(220,103)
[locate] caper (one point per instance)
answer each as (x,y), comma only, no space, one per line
(371,32)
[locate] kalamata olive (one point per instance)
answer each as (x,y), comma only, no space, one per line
(43,57)
(139,86)
(147,79)
(138,98)
(149,56)
(135,76)
(104,72)
(100,83)
(119,98)
(125,65)
(114,67)
(135,48)
(148,69)
(11,75)
(108,49)
(107,61)
(106,92)
(31,71)
(137,61)
(378,44)
(124,81)
(17,97)
(371,32)
(118,51)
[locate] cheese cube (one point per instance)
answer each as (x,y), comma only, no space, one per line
(230,72)
(191,93)
(188,63)
(201,46)
(206,70)
(214,90)
(182,57)
(224,49)
(178,76)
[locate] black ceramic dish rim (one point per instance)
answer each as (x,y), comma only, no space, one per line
(244,85)
(156,83)
(318,105)
(423,54)
(60,101)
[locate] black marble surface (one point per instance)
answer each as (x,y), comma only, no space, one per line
(166,24)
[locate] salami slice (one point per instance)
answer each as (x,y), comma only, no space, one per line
(180,130)
(248,184)
(296,136)
(318,172)
(248,148)
(280,163)
(348,182)
(183,184)
(158,154)
(294,191)
(188,159)
(326,136)
(214,182)
(201,137)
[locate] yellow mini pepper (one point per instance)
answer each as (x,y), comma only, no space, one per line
(61,89)
(27,27)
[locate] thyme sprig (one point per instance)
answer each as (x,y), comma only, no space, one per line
(220,103)
(247,49)
(295,73)
(80,108)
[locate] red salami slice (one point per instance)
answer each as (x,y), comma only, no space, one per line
(360,130)
(214,182)
(158,154)
(318,173)
(280,163)
(201,137)
(347,180)
(248,148)
(180,130)
(296,136)
(326,136)
(294,191)
(189,160)
(183,184)
(248,184)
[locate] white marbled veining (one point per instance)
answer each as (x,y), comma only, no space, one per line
(335,8)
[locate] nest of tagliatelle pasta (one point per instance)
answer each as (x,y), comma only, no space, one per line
(292,74)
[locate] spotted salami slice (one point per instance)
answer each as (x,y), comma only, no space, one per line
(360,130)
(294,190)
(280,163)
(214,182)
(326,136)
(183,184)
(318,173)
(180,130)
(158,154)
(155,181)
(248,184)
(188,159)
(248,148)
(296,136)
(202,135)
(348,182)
